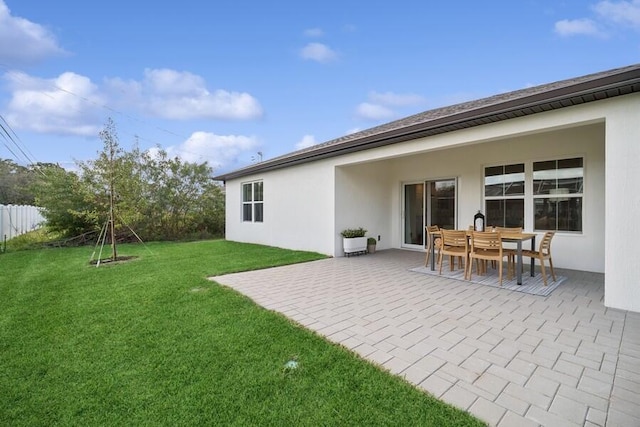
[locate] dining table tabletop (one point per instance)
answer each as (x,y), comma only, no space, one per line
(506,236)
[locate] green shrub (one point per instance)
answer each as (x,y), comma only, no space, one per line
(353,232)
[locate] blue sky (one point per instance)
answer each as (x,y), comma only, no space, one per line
(221,81)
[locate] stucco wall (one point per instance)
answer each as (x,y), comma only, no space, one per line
(579,251)
(363,199)
(298,209)
(306,206)
(622,203)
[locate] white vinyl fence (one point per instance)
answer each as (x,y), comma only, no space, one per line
(17,219)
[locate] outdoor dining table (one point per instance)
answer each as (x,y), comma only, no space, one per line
(514,237)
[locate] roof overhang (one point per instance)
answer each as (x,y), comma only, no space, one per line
(568,95)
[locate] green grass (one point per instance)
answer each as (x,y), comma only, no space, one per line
(152,342)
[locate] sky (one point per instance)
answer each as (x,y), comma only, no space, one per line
(233,82)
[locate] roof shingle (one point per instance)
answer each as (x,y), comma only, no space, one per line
(560,94)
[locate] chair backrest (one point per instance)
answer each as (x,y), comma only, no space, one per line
(454,238)
(509,229)
(545,244)
(486,240)
(430,229)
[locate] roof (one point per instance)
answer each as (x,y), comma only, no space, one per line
(524,102)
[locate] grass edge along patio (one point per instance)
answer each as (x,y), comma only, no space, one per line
(152,342)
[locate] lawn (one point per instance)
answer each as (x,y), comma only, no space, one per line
(152,342)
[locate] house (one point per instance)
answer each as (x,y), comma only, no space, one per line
(563,156)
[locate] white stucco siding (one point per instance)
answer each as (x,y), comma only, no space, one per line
(298,207)
(580,251)
(622,279)
(307,206)
(363,199)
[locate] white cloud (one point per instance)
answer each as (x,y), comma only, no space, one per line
(179,95)
(622,12)
(313,32)
(24,42)
(69,104)
(573,27)
(380,104)
(218,150)
(370,111)
(318,52)
(609,16)
(306,142)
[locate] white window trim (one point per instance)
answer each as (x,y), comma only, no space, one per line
(529,197)
(251,202)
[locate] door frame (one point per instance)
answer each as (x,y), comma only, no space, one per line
(426,207)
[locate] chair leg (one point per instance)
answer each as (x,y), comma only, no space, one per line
(509,268)
(426,261)
(553,273)
(544,275)
(500,271)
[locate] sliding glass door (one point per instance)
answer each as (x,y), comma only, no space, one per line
(427,203)
(413,215)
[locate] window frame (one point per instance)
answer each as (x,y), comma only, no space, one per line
(558,197)
(252,201)
(505,197)
(530,196)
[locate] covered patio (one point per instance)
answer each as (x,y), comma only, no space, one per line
(510,358)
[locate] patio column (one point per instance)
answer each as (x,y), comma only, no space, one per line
(622,218)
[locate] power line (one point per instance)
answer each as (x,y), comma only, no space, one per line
(30,157)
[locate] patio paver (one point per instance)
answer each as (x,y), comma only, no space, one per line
(512,359)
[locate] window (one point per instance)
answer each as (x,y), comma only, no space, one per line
(252,202)
(504,195)
(557,194)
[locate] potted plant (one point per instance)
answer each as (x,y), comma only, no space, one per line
(354,241)
(371,245)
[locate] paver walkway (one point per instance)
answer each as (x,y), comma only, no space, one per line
(512,359)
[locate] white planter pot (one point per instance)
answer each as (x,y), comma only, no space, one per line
(354,244)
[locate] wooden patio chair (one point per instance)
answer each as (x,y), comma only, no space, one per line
(437,242)
(543,253)
(486,246)
(511,250)
(454,244)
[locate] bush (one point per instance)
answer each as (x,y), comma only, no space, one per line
(32,239)
(353,232)
(371,241)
